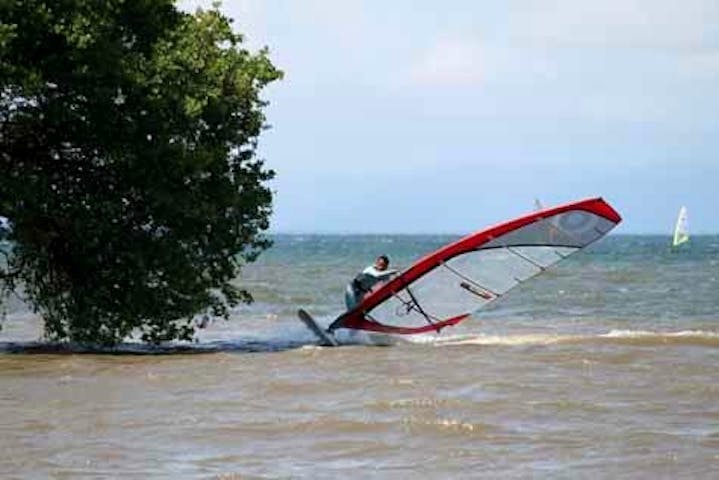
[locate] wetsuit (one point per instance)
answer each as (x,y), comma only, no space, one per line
(363,283)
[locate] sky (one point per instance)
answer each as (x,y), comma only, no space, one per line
(447,117)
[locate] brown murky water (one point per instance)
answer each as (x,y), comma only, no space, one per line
(528,406)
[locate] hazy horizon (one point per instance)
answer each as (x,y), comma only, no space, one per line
(418,233)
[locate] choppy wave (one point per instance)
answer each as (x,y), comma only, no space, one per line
(240,346)
(627,337)
(686,337)
(618,337)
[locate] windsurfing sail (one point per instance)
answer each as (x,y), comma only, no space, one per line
(448,285)
(681,232)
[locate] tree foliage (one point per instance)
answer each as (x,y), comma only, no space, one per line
(128,168)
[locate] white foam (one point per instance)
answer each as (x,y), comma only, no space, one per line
(650,334)
(510,340)
(552,339)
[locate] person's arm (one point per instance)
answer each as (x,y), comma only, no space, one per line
(387,274)
(379,275)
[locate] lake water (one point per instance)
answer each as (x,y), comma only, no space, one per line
(603,367)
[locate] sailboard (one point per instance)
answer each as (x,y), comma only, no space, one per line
(446,286)
(681,231)
(326,339)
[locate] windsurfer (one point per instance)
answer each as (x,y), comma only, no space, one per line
(367,280)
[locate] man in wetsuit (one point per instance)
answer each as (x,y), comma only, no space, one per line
(366,280)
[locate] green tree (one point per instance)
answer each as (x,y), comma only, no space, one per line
(128,169)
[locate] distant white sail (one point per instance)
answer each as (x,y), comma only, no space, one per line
(681,232)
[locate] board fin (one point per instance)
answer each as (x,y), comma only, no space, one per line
(326,339)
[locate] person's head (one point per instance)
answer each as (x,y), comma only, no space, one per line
(381,263)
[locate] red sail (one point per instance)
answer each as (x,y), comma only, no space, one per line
(446,286)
